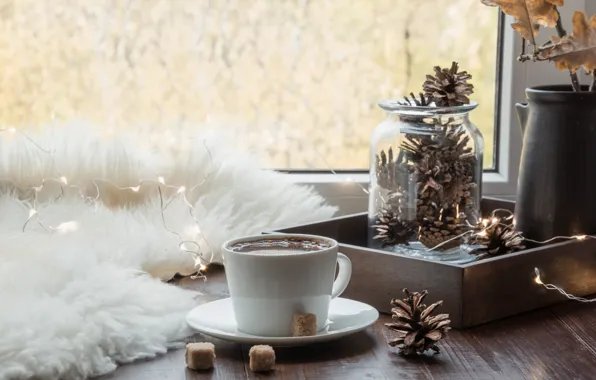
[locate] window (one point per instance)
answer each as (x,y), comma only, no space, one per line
(298,81)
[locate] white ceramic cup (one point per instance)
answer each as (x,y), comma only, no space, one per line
(267,289)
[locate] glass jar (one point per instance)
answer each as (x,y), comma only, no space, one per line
(425,181)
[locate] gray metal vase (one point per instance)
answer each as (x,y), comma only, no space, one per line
(556,192)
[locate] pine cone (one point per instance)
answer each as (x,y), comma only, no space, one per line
(386,169)
(421,101)
(438,230)
(448,87)
(417,330)
(497,236)
(443,166)
(391,229)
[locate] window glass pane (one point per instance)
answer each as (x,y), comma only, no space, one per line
(296,80)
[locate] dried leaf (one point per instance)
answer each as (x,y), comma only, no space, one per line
(529,14)
(575,50)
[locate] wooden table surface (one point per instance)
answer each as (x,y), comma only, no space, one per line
(552,343)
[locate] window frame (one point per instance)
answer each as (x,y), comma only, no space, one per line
(347,189)
(590,8)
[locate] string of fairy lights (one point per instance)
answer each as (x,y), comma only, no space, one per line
(538,280)
(192,247)
(484,227)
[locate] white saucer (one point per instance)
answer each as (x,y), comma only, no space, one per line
(345,317)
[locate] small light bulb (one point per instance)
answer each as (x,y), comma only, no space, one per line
(482,233)
(485,222)
(203,268)
(192,230)
(537,278)
(161,180)
(581,237)
(12,130)
(135,188)
(181,190)
(32,212)
(494,221)
(64,180)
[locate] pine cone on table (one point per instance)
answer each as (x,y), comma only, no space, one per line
(448,87)
(417,330)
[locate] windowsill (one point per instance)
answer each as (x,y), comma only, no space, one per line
(349,191)
(314,178)
(363,178)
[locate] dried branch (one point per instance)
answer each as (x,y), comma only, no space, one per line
(527,57)
(528,15)
(545,45)
(523,57)
(567,52)
(523,50)
(559,26)
(561,32)
(575,82)
(408,53)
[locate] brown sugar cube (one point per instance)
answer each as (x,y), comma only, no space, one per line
(200,355)
(304,325)
(262,358)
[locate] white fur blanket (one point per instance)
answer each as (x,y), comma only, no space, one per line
(75,302)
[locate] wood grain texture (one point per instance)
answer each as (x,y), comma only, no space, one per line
(546,344)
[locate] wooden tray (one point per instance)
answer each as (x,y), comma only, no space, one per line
(473,293)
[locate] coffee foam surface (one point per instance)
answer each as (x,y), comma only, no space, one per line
(281,246)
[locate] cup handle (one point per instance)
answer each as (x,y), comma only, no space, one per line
(343,277)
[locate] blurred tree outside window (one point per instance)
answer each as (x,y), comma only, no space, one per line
(297,81)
